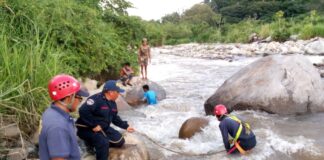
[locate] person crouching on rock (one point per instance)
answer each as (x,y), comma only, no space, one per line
(126,74)
(96,115)
(237,135)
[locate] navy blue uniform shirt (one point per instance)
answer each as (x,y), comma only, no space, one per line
(230,127)
(97,110)
(58,137)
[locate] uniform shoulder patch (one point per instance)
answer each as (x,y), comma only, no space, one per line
(90,102)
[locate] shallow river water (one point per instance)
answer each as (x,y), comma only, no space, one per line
(188,83)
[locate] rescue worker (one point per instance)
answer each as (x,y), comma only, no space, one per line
(96,115)
(237,135)
(57,139)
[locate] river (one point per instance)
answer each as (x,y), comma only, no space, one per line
(188,83)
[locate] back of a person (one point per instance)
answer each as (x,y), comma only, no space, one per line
(233,126)
(151,97)
(247,137)
(54,123)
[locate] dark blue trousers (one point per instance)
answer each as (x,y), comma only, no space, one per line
(100,142)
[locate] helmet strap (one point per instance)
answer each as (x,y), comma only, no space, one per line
(69,105)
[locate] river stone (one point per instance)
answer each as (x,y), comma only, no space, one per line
(10,131)
(16,154)
(90,84)
(122,105)
(134,94)
(275,84)
(192,126)
(293,37)
(133,149)
(316,47)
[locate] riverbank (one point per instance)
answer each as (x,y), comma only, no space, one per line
(230,51)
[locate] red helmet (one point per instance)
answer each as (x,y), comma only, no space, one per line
(220,110)
(61,86)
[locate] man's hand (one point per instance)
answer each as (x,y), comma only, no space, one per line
(97,128)
(130,129)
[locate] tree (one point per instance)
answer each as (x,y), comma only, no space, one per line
(236,10)
(172,18)
(201,13)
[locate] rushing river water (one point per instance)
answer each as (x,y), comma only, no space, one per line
(188,83)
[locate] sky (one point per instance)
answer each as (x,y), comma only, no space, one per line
(156,9)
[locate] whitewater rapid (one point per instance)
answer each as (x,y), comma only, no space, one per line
(188,83)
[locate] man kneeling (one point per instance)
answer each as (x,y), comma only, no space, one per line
(96,114)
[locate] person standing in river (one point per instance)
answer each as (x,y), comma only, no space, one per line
(144,57)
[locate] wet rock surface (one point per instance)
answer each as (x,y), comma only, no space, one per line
(275,84)
(134,94)
(192,126)
(133,149)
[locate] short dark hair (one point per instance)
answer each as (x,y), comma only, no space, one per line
(146,87)
(126,64)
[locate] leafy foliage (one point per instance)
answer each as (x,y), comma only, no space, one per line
(39,39)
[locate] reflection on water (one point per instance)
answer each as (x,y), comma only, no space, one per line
(188,83)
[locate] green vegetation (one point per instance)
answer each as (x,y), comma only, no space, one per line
(235,20)
(41,38)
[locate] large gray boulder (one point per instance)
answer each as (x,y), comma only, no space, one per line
(11,131)
(16,154)
(315,47)
(134,94)
(275,84)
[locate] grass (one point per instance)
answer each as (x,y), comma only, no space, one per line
(25,68)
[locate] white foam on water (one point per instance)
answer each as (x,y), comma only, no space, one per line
(316,59)
(188,83)
(269,142)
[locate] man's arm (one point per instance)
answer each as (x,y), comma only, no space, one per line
(119,122)
(224,132)
(144,99)
(131,70)
(124,71)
